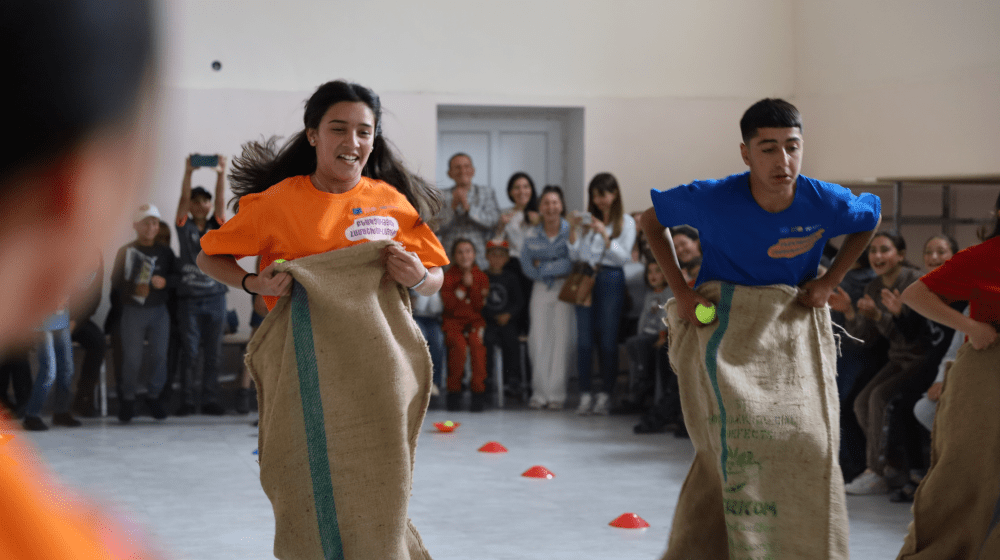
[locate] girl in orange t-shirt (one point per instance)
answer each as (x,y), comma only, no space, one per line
(334,184)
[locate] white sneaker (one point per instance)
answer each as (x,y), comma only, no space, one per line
(603,405)
(536,403)
(586,403)
(867,484)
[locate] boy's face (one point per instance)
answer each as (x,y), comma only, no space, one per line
(497,258)
(146,229)
(775,157)
(465,255)
(200,206)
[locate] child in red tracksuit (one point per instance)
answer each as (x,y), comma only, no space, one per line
(463,294)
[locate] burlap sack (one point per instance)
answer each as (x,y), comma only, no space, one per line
(343,380)
(759,395)
(956,510)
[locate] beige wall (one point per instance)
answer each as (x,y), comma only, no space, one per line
(894,88)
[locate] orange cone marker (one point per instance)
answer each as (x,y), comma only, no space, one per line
(492,447)
(448,426)
(629,521)
(538,471)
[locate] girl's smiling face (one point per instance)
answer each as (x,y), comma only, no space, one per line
(550,207)
(936,252)
(883,255)
(520,192)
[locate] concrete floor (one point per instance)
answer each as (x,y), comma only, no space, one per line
(193,483)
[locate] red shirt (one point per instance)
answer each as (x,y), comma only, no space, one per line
(461,302)
(971,275)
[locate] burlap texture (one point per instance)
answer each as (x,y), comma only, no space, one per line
(956,509)
(372,375)
(759,396)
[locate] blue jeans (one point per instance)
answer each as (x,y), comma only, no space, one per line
(55,364)
(600,322)
(431,328)
(201,322)
(139,324)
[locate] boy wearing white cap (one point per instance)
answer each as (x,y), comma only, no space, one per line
(141,273)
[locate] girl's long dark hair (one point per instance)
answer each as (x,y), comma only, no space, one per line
(262,164)
(532,205)
(606,182)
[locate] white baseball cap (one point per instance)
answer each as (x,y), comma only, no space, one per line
(145,211)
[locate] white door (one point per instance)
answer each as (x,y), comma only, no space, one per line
(500,147)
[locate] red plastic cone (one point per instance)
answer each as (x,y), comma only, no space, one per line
(493,447)
(629,521)
(448,426)
(538,471)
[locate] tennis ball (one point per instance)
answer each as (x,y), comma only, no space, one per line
(449,423)
(704,314)
(279,261)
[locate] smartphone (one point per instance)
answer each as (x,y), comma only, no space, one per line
(199,160)
(586,218)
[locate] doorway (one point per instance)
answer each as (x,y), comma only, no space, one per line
(544,142)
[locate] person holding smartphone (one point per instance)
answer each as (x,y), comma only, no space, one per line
(201,300)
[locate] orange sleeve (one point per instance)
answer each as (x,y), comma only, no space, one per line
(422,241)
(239,236)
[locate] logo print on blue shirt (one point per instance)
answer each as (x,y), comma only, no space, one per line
(356,211)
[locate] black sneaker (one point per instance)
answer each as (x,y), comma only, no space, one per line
(647,427)
(478,402)
(65,419)
(243,401)
(156,409)
(213,409)
(185,410)
(34,424)
(126,410)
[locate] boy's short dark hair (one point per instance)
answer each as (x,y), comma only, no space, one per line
(769,113)
(200,191)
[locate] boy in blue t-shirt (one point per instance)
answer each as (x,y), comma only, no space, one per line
(759,228)
(767,225)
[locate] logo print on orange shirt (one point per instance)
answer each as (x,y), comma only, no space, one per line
(791,247)
(372,228)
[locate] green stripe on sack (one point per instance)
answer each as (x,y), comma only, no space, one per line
(312,412)
(712,362)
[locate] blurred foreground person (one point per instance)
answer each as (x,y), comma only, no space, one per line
(82,72)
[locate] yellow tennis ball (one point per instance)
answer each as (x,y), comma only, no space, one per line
(449,423)
(279,261)
(704,314)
